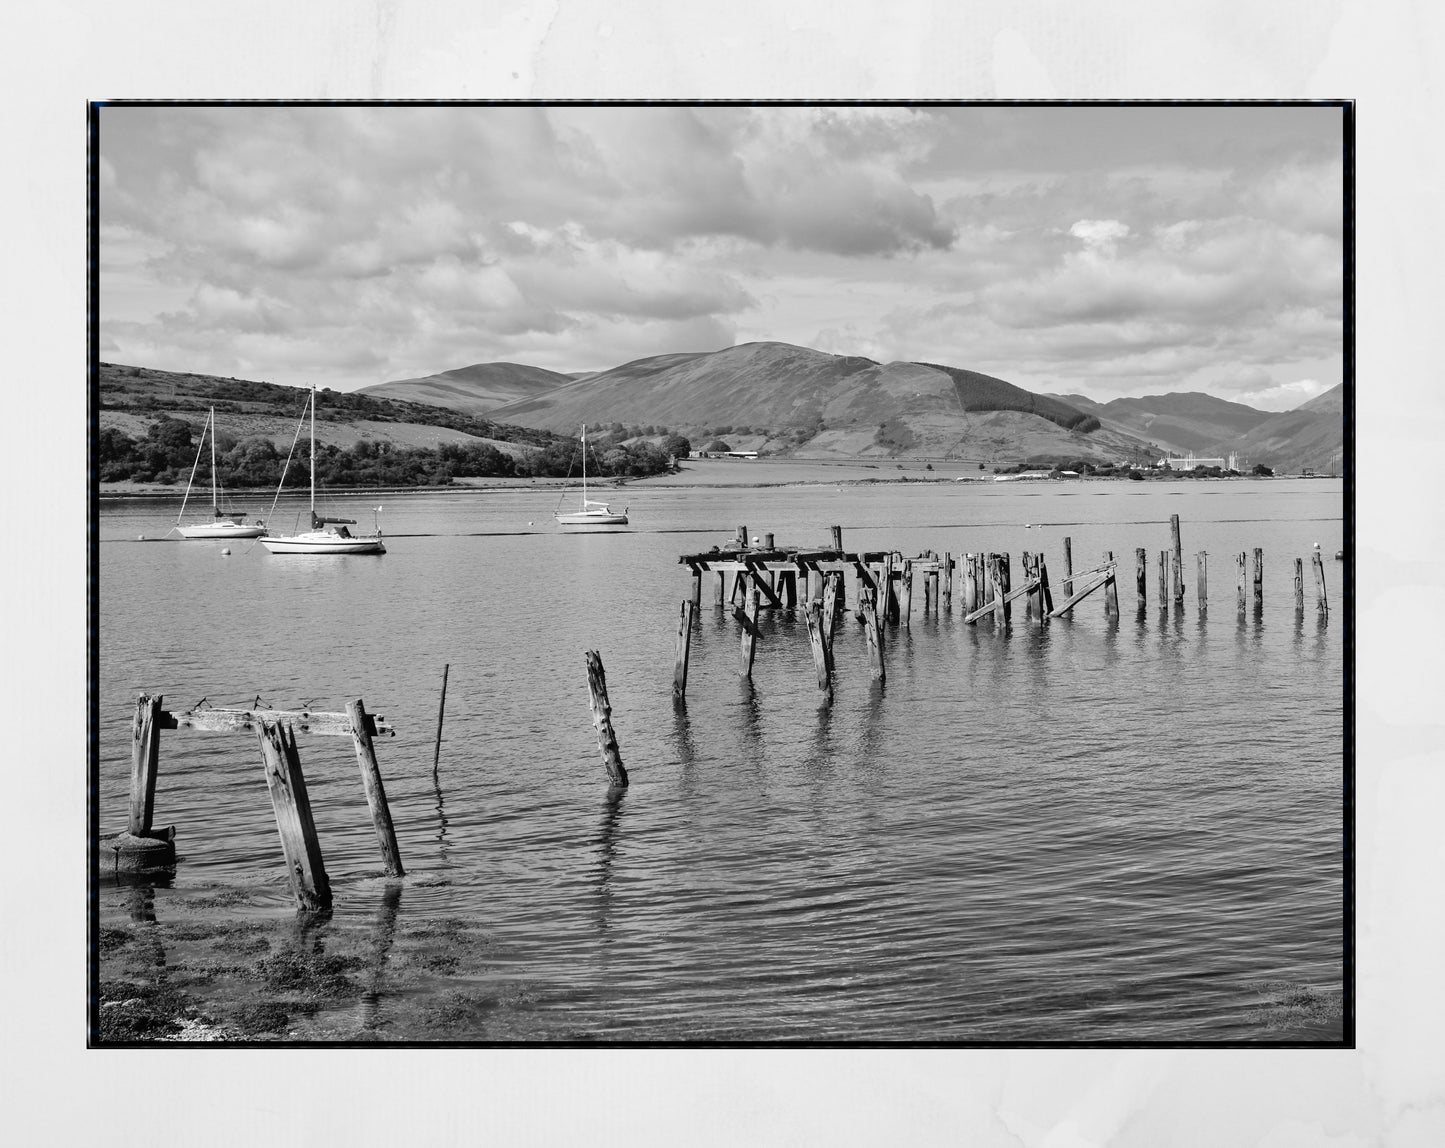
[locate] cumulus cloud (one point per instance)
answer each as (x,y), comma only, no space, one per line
(375,243)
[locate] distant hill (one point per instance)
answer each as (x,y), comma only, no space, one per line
(133,398)
(1185,422)
(808,403)
(474,390)
(1310,436)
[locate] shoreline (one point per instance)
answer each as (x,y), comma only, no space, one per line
(700,473)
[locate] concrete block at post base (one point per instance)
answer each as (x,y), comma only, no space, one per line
(127,853)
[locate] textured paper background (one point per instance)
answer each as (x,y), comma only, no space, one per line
(1384,54)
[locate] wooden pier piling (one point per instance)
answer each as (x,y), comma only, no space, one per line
(1299,585)
(822,663)
(874,633)
(375,791)
(905,604)
(1141,577)
(1322,600)
(1241,560)
(1178,562)
(144,761)
(1005,585)
(1201,561)
(684,646)
(602,720)
(1258,578)
(749,620)
(436,757)
(970,583)
(837,538)
(1046,595)
(1068,567)
(945,583)
(1164,580)
(1111,592)
(287,786)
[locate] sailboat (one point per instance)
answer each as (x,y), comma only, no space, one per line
(592,512)
(223,524)
(327,535)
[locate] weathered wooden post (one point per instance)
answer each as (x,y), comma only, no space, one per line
(1240,583)
(145,749)
(697,585)
(946,582)
(832,602)
(874,632)
(1258,578)
(742,537)
(1111,591)
(1068,567)
(1299,585)
(906,596)
(889,611)
(749,622)
(720,591)
(837,538)
(436,757)
(602,720)
(684,646)
(1178,567)
(768,540)
(1141,576)
(1202,561)
(1005,585)
(1164,580)
(284,781)
(1176,575)
(970,583)
(375,791)
(1323,602)
(1047,597)
(813,615)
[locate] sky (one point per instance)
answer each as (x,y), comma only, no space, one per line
(1102,251)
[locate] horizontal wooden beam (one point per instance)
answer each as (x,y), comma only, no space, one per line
(302,721)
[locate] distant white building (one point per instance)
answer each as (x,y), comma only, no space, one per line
(1189,462)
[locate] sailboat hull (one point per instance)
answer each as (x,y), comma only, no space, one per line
(585,520)
(204,530)
(323,542)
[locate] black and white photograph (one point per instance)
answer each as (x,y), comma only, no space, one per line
(719,574)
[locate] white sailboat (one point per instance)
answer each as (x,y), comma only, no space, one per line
(223,524)
(327,535)
(592,513)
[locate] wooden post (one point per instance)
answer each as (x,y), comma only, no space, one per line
(1068,567)
(602,720)
(1323,602)
(1202,561)
(813,615)
(1178,567)
(874,632)
(888,610)
(788,583)
(1005,585)
(1046,595)
(742,537)
(832,602)
(970,583)
(684,645)
(945,588)
(720,593)
(1299,585)
(1258,578)
(436,757)
(906,597)
(1111,591)
(145,749)
(837,538)
(815,584)
(1240,586)
(768,540)
(1177,577)
(284,781)
(697,585)
(375,791)
(1141,576)
(750,633)
(1164,580)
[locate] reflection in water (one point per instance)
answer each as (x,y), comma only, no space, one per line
(606,849)
(141,904)
(443,845)
(682,733)
(381,939)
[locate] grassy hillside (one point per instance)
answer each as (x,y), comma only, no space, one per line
(472,390)
(980,392)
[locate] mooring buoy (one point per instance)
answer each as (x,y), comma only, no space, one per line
(225,550)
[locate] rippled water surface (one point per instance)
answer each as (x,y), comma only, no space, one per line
(1112,830)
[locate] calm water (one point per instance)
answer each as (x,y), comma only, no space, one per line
(1106,830)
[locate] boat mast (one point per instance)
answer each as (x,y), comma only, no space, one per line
(584,466)
(215,506)
(313,452)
